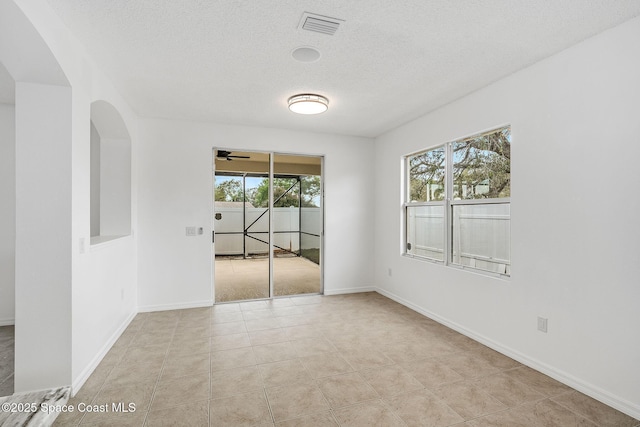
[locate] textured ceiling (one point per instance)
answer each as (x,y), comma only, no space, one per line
(230,61)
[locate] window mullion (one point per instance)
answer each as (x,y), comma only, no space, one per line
(448,233)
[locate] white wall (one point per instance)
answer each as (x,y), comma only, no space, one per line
(176,187)
(77,317)
(43,236)
(574,218)
(7,214)
(115,187)
(95,182)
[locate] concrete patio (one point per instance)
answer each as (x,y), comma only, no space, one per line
(241,279)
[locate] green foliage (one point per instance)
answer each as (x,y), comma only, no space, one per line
(229,190)
(481,169)
(286,192)
(426,175)
(482,166)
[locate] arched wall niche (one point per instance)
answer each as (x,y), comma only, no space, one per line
(110,174)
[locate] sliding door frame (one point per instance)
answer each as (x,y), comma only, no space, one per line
(271,174)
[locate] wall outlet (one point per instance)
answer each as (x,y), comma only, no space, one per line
(191,231)
(542,324)
(83,245)
(390,272)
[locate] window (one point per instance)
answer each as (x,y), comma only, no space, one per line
(457,208)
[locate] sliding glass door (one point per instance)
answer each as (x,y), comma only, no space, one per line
(267,225)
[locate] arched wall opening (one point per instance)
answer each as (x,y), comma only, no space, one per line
(110,174)
(42,177)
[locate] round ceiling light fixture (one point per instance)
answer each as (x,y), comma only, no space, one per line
(308,103)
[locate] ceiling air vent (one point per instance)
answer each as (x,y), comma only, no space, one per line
(319,23)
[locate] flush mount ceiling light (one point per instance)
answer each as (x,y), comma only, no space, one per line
(308,103)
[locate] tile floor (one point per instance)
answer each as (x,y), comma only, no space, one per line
(6,360)
(351,360)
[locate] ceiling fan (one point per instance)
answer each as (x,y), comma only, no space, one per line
(223,154)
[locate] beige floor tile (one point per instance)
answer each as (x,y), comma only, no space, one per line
(159,338)
(227,359)
(423,408)
(432,373)
(274,352)
(594,410)
(543,413)
(469,400)
(327,339)
(366,358)
(410,351)
(538,381)
(187,364)
(235,381)
(243,410)
(346,389)
(294,320)
(268,336)
(368,414)
(133,373)
(257,314)
(322,419)
(507,390)
(225,308)
(110,419)
(202,346)
(150,353)
(178,391)
(390,380)
(312,346)
(262,324)
(305,300)
(295,400)
(226,317)
(187,340)
(349,343)
(254,305)
(94,383)
(280,302)
(326,364)
(468,365)
(293,310)
(228,342)
(284,373)
(138,394)
(496,359)
(302,331)
(193,414)
(68,419)
(228,328)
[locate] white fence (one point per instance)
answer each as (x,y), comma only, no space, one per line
(286,227)
(481,235)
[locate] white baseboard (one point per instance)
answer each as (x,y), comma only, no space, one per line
(181,306)
(86,372)
(342,291)
(7,321)
(623,405)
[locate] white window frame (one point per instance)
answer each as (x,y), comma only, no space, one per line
(448,204)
